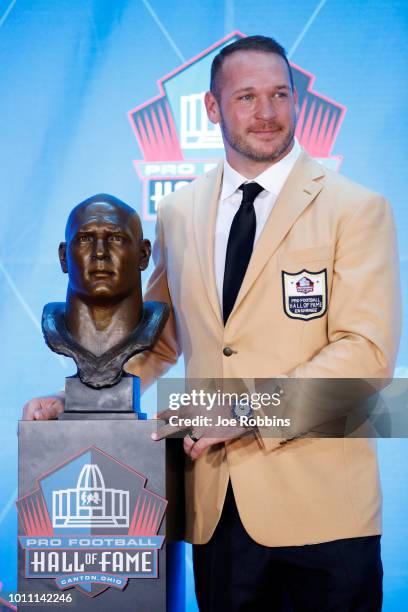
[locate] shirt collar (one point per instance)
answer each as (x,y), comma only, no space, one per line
(271,179)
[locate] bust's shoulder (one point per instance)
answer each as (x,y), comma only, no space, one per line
(52,316)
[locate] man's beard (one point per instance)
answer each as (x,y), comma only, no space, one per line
(245,149)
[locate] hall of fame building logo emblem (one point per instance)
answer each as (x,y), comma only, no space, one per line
(179,143)
(91,524)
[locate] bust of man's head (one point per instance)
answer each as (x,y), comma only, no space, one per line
(104,250)
(104,321)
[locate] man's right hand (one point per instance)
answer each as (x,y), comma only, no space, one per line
(44,408)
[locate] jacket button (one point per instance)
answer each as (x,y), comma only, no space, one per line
(227,351)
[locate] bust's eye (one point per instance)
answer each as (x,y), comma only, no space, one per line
(115,238)
(85,238)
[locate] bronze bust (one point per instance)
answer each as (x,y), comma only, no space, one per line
(104,321)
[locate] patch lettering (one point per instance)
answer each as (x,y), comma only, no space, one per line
(304,294)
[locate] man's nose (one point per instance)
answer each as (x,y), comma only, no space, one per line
(265,108)
(101,250)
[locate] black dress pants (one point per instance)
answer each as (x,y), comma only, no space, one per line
(233,573)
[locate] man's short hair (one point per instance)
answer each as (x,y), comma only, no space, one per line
(263,44)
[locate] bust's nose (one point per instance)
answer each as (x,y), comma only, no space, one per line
(101,250)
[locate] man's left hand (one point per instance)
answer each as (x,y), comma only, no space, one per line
(197,439)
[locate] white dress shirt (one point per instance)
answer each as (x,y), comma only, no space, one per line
(272,180)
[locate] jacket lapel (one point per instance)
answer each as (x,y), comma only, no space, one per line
(299,191)
(205,213)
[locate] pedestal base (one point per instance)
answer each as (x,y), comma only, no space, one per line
(93,480)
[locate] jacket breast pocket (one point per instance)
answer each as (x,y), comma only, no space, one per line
(306,279)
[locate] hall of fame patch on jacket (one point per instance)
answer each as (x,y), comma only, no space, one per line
(304,294)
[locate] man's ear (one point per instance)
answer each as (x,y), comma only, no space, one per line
(212,106)
(145,252)
(62,254)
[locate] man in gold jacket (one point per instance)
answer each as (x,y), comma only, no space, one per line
(309,491)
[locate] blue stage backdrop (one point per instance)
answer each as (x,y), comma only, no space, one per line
(102,96)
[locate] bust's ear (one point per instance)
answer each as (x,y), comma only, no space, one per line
(62,254)
(145,252)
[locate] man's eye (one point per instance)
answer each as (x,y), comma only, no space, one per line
(280,94)
(246,98)
(85,238)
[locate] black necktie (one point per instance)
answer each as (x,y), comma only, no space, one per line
(239,247)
